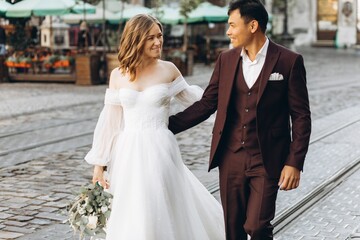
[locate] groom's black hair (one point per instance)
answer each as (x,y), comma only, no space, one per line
(251,10)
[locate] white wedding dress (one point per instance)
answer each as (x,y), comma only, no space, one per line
(156,197)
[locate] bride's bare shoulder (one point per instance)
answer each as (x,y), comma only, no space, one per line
(168,65)
(170,68)
(116,78)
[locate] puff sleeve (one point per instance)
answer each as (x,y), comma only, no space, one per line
(107,129)
(184,93)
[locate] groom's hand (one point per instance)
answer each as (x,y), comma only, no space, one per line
(289,178)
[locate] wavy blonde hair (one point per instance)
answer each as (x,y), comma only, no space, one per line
(132,42)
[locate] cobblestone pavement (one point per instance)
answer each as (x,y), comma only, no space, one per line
(335,217)
(34,193)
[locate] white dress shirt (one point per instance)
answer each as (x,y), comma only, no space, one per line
(252,69)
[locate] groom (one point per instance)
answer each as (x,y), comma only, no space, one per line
(262,127)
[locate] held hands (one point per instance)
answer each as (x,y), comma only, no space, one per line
(289,178)
(98,176)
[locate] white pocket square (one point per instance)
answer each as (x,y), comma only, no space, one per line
(276,77)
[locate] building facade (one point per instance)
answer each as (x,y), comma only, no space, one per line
(311,22)
(321,22)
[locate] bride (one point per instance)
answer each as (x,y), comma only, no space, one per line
(156,197)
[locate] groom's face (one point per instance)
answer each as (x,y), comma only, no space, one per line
(239,31)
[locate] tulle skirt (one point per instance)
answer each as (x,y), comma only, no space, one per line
(156,197)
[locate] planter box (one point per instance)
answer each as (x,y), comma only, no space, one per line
(88,69)
(112,62)
(4,73)
(61,78)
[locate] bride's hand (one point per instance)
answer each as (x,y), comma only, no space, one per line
(98,176)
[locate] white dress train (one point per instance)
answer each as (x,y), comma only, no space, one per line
(156,197)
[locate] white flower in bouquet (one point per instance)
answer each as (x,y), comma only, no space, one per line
(92,222)
(82,211)
(104,209)
(90,211)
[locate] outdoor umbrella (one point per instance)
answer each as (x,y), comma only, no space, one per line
(28,8)
(129,11)
(207,12)
(3,7)
(82,7)
(204,13)
(91,18)
(168,15)
(132,10)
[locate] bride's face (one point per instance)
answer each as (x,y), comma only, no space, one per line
(154,42)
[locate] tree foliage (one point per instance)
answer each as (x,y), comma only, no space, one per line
(186,6)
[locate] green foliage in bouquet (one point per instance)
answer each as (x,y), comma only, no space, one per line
(90,210)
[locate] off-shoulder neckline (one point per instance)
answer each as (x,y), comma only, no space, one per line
(178,79)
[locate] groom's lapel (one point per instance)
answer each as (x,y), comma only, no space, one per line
(231,69)
(271,59)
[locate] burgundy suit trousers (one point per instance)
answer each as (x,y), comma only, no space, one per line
(248,196)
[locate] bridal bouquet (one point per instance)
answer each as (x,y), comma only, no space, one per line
(90,210)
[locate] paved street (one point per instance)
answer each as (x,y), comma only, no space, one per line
(46,129)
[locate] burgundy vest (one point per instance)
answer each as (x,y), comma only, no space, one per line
(241,116)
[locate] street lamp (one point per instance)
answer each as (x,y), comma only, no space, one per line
(286,38)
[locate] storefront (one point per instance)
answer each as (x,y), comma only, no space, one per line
(327,18)
(330,23)
(338,21)
(358,23)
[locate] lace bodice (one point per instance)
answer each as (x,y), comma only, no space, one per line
(143,109)
(131,110)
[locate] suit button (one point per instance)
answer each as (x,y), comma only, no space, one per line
(244,126)
(249,93)
(246,110)
(242,142)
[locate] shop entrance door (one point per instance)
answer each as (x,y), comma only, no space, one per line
(327,18)
(358,22)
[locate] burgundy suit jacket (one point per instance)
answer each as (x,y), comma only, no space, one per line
(282,112)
